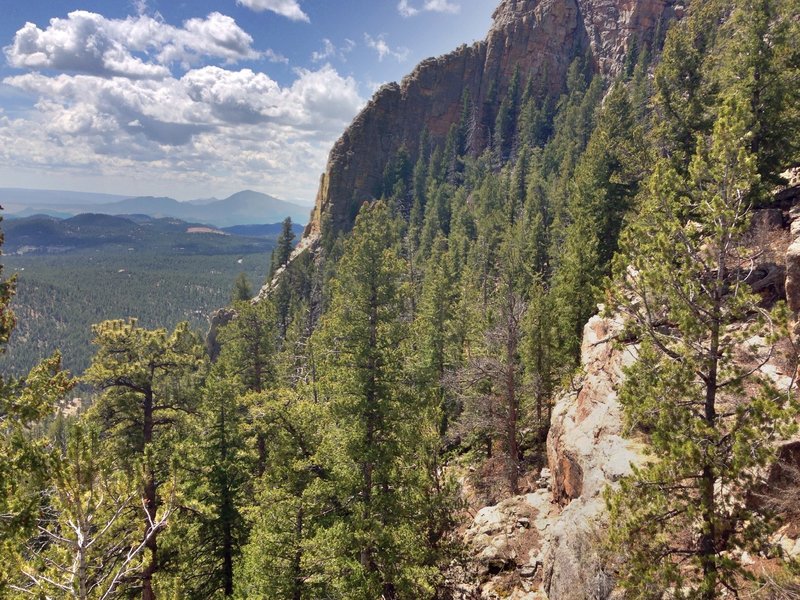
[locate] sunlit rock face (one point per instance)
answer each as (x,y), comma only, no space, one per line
(538,37)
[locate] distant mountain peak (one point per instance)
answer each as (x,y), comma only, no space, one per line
(246,207)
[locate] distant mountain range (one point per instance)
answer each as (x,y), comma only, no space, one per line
(42,234)
(243,208)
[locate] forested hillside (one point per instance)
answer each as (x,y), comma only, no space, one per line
(59,298)
(404,367)
(75,272)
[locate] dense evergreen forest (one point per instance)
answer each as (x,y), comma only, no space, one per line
(75,272)
(60,297)
(322,453)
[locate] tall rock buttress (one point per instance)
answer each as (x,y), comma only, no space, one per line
(539,37)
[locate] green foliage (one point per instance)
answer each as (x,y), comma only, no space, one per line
(87,541)
(148,381)
(378,430)
(283,247)
(242,291)
(712,420)
(682,93)
(210,537)
(60,297)
(602,189)
(309,460)
(24,404)
(435,345)
(744,48)
(249,344)
(290,503)
(759,54)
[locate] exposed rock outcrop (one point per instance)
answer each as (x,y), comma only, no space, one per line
(219,318)
(506,540)
(538,37)
(587,427)
(588,450)
(586,435)
(793,274)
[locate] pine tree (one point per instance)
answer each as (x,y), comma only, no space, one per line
(758,55)
(291,502)
(538,220)
(23,455)
(682,92)
(682,519)
(242,291)
(248,345)
(396,181)
(88,542)
(506,120)
(377,430)
(436,347)
(283,247)
(491,380)
(248,357)
(147,380)
(605,182)
(221,462)
(538,352)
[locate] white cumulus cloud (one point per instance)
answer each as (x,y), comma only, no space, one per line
(330,50)
(286,8)
(212,126)
(406,9)
(148,104)
(140,47)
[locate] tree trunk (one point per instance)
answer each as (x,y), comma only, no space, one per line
(371,417)
(707,545)
(83,578)
(150,501)
(511,396)
(707,542)
(297,591)
(226,511)
(389,593)
(444,423)
(227,558)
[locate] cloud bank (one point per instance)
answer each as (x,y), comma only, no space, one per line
(143,99)
(140,47)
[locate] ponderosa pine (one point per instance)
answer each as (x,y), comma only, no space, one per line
(681,520)
(147,380)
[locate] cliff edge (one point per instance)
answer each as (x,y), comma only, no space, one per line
(539,37)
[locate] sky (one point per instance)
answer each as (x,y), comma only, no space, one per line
(202,98)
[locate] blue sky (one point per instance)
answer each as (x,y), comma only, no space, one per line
(202,98)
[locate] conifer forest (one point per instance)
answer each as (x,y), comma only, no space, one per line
(414,407)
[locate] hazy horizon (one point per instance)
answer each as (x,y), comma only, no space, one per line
(200,99)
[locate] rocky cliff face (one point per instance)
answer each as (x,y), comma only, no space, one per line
(540,37)
(586,451)
(543,544)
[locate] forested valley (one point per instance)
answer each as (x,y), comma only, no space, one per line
(393,375)
(73,273)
